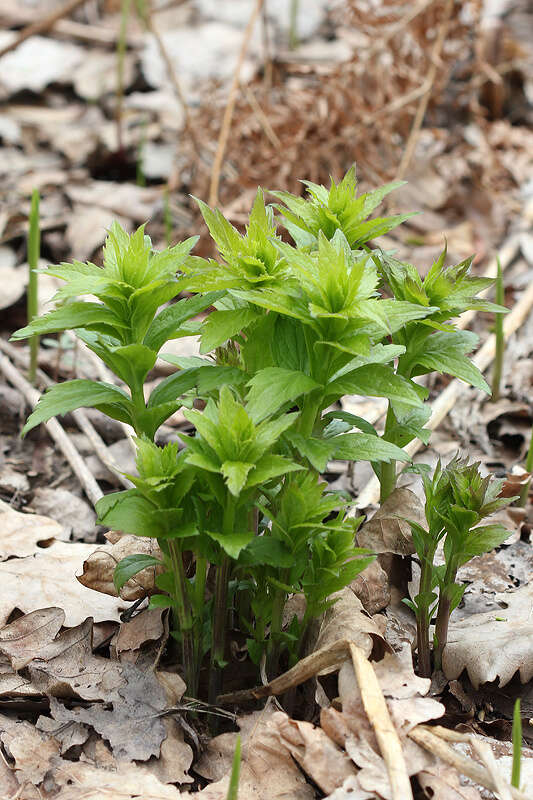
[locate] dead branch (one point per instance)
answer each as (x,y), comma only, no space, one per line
(42,25)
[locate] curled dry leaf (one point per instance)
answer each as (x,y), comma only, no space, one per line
(388,531)
(268,771)
(48,579)
(372,588)
(348,620)
(30,749)
(99,567)
(145,627)
(496,644)
(314,751)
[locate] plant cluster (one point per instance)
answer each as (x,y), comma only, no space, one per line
(458,498)
(239,508)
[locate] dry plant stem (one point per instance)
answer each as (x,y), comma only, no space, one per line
(483,750)
(448,398)
(331,656)
(230,107)
(429,740)
(42,25)
(386,734)
(79,416)
(424,100)
(92,490)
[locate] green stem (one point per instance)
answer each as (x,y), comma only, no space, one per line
(524,494)
(34,250)
(388,471)
(293,25)
(422,620)
(444,611)
(185,618)
(500,341)
(221,607)
(517,745)
(121,53)
(280,599)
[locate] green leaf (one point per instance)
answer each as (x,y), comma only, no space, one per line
(445,352)
(272,387)
(72,316)
(271,466)
(289,348)
(235,474)
(482,540)
(130,566)
(375,380)
(160,601)
(366,447)
(266,550)
(317,451)
(170,319)
(232,543)
(223,325)
(65,397)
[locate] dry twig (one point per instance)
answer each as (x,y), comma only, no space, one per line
(228,113)
(85,477)
(42,25)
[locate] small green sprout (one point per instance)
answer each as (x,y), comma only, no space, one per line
(517,745)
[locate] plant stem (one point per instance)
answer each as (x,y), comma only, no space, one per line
(121,52)
(517,745)
(275,625)
(34,249)
(185,618)
(221,607)
(422,620)
(500,341)
(444,611)
(388,471)
(524,494)
(293,25)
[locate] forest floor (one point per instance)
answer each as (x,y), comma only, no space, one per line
(110,120)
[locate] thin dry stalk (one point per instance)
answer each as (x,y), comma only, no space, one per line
(427,739)
(85,477)
(424,100)
(379,717)
(228,113)
(42,25)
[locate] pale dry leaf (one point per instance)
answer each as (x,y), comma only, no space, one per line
(13,281)
(30,749)
(372,588)
(71,735)
(145,627)
(314,751)
(139,201)
(347,619)
(23,639)
(496,644)
(267,770)
(388,531)
(20,534)
(395,674)
(12,684)
(503,754)
(99,567)
(443,782)
(75,515)
(88,226)
(351,790)
(38,62)
(48,579)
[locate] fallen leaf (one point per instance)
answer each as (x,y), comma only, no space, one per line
(75,515)
(21,533)
(38,62)
(371,586)
(493,645)
(48,579)
(30,749)
(140,201)
(99,566)
(388,531)
(23,639)
(443,783)
(313,750)
(145,627)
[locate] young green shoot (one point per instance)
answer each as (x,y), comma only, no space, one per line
(34,252)
(233,788)
(498,333)
(524,493)
(517,745)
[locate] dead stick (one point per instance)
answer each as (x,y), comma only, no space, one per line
(424,100)
(308,667)
(85,477)
(429,741)
(448,398)
(42,25)
(386,734)
(230,106)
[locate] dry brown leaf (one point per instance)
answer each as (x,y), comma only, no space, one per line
(81,781)
(267,769)
(22,533)
(146,626)
(314,751)
(75,516)
(23,639)
(388,531)
(48,579)
(30,749)
(99,567)
(115,197)
(348,620)
(372,588)
(443,783)
(496,644)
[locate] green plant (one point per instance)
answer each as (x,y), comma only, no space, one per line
(517,745)
(524,492)
(458,498)
(34,252)
(241,515)
(233,788)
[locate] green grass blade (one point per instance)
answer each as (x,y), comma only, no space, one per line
(517,745)
(34,251)
(233,789)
